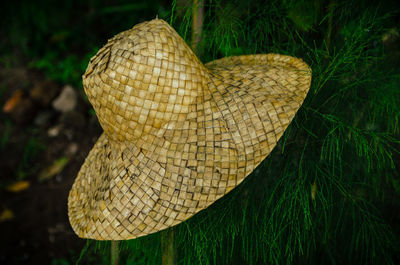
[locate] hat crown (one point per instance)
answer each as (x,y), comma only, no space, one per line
(143,79)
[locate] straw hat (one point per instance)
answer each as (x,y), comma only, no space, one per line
(178,135)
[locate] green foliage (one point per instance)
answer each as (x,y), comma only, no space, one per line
(321,197)
(66,70)
(60,261)
(59,37)
(299,13)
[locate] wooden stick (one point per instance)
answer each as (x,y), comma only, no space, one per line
(331,9)
(197,24)
(168,250)
(114,252)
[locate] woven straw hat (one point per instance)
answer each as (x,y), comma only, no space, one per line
(178,135)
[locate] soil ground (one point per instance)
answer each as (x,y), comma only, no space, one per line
(38,232)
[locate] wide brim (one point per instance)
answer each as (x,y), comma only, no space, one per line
(125,190)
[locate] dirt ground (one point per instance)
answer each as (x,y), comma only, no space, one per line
(33,136)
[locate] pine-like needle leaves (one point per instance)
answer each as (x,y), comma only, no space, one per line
(320,196)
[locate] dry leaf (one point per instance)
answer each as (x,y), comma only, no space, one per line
(6,215)
(55,168)
(18,186)
(13,101)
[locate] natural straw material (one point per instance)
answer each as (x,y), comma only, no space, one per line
(178,135)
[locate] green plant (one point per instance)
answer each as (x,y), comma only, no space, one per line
(319,198)
(58,38)
(59,261)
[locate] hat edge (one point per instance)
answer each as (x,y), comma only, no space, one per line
(87,161)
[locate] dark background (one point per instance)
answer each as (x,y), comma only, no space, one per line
(46,45)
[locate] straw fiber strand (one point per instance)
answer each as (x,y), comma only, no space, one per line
(178,135)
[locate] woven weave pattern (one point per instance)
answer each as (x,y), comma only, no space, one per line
(178,135)
(143,78)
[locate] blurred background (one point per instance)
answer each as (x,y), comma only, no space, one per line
(334,194)
(47,125)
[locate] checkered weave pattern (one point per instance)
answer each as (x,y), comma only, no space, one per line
(178,135)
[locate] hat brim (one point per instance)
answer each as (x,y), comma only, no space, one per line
(125,190)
